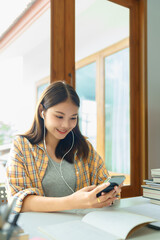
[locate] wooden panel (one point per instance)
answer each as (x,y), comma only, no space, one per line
(57,40)
(85,61)
(144,95)
(70,42)
(138,95)
(124,3)
(63,40)
(134,189)
(100,100)
(124,43)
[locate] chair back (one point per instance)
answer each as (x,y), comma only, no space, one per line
(3,195)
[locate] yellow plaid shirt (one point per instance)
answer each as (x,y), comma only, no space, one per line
(28,163)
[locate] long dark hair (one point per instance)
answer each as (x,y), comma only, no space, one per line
(55,93)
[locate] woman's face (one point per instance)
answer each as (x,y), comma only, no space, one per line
(60,119)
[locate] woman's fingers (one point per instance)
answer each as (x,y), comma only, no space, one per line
(88,188)
(117,190)
(106,196)
(107,199)
(100,187)
(87,197)
(104,203)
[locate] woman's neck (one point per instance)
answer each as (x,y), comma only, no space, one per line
(51,142)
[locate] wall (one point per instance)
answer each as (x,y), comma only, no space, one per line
(36,66)
(18,89)
(28,61)
(10,91)
(153,38)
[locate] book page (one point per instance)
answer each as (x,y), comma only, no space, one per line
(147,209)
(119,223)
(77,230)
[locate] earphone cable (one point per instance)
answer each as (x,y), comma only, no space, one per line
(60,168)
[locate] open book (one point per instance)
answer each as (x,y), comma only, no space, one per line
(99,225)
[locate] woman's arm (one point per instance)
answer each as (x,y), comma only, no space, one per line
(84,198)
(18,181)
(29,197)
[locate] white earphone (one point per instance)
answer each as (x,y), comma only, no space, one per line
(60,167)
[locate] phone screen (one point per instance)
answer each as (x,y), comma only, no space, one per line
(116,179)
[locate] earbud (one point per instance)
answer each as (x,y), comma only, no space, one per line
(43,114)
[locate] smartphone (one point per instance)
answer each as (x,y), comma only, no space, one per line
(118,179)
(114,181)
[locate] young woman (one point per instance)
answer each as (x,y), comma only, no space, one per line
(53,167)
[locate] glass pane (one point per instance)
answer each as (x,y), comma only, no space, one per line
(85,87)
(23,63)
(40,89)
(98,25)
(117,112)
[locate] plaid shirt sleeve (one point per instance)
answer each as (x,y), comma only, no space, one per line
(98,171)
(18,183)
(90,171)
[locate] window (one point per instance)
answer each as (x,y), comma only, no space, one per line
(86,89)
(24,60)
(117,112)
(41,86)
(113,62)
(100,32)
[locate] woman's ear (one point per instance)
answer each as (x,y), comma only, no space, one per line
(41,111)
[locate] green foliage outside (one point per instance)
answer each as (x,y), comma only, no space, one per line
(6,133)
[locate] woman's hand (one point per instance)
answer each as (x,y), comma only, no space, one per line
(86,197)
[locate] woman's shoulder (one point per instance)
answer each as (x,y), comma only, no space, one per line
(20,140)
(92,153)
(90,145)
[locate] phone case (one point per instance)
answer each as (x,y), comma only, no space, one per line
(108,189)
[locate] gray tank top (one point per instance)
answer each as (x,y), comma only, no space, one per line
(53,184)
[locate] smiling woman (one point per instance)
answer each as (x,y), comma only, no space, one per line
(59,121)
(55,113)
(35,166)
